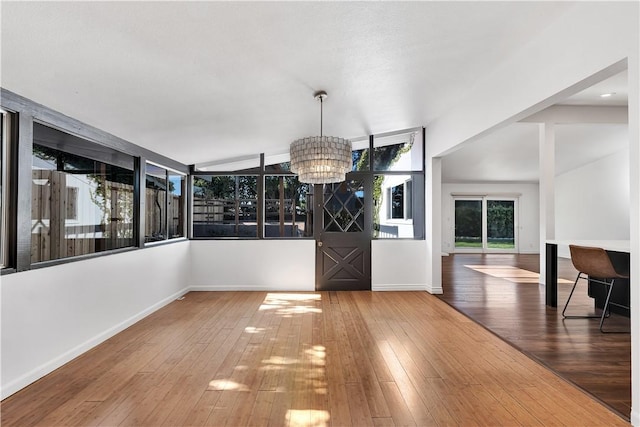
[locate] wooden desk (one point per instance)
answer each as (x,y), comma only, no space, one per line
(551,261)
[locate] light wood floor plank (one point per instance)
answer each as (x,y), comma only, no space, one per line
(304,359)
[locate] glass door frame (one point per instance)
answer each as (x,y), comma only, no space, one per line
(485,199)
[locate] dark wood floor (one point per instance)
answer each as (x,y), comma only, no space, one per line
(304,359)
(513,308)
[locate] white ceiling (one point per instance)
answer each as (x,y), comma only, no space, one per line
(200,81)
(511,153)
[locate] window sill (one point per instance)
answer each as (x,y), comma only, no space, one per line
(165,242)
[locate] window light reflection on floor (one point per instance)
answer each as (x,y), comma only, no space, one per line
(221,385)
(288,304)
(510,273)
(307,417)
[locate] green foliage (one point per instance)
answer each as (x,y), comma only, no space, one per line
(383,159)
(500,219)
(293,190)
(224,187)
(500,223)
(468,218)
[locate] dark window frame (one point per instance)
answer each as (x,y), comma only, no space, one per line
(406,205)
(107,189)
(168,172)
(25,113)
(417,178)
(8,191)
(281,203)
(259,175)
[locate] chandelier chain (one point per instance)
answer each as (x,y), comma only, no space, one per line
(321,104)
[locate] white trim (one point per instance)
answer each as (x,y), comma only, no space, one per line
(403,287)
(434,290)
(46,368)
(247,288)
(472,195)
(528,252)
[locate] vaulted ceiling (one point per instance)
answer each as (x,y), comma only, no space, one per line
(511,153)
(200,81)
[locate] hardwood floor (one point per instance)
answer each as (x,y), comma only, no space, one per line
(312,359)
(512,306)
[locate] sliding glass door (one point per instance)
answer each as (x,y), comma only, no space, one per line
(485,224)
(468,224)
(501,224)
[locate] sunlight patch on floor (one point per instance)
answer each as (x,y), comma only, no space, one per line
(277,360)
(287,304)
(227,385)
(510,273)
(307,417)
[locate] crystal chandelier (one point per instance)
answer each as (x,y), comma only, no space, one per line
(321,159)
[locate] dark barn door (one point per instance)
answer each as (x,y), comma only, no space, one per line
(343,236)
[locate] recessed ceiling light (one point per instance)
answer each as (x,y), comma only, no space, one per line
(607,95)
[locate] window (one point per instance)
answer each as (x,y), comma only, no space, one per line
(4,189)
(258,197)
(164,204)
(398,181)
(225,206)
(287,207)
(402,152)
(81,203)
(393,206)
(483,223)
(468,223)
(360,155)
(396,202)
(501,224)
(176,209)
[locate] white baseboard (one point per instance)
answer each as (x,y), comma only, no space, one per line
(249,288)
(404,287)
(66,357)
(635,418)
(244,288)
(434,290)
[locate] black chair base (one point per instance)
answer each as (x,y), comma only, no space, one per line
(605,310)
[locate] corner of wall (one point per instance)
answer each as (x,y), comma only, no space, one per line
(434,290)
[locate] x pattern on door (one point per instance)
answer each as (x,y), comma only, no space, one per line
(343,208)
(344,264)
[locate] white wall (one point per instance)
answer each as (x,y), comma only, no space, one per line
(528,212)
(253,265)
(592,202)
(588,38)
(289,265)
(398,265)
(51,315)
(592,41)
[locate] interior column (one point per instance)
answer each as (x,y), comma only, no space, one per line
(547,190)
(433,218)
